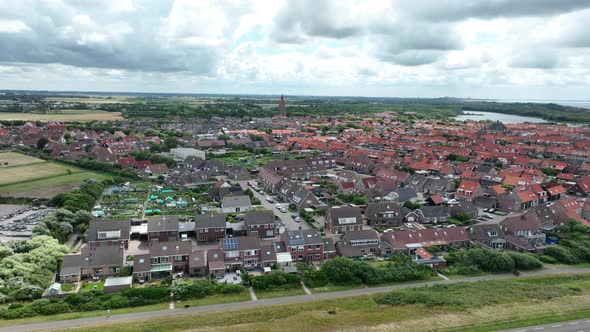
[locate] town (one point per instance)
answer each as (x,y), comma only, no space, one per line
(225,202)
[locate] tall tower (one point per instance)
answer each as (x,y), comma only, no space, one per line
(282,107)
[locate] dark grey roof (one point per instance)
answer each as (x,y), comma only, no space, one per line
(336,213)
(374,210)
(236,201)
(467,207)
(198,259)
(176,248)
(360,235)
(163,223)
(295,238)
(141,263)
(259,217)
(406,194)
(70,265)
(268,253)
(101,256)
(96,226)
(240,243)
(210,220)
(329,245)
(434,211)
(215,259)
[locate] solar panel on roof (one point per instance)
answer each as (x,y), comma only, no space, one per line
(230,244)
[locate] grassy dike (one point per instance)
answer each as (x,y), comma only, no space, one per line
(470,306)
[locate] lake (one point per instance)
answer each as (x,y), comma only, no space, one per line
(504,118)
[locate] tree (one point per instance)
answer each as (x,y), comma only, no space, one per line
(41,142)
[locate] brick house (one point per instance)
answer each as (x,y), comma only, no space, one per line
(344,219)
(210,227)
(304,245)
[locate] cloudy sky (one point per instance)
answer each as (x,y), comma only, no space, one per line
(525,49)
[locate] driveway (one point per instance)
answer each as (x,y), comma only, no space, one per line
(63,324)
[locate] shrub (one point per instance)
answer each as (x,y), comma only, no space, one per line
(562,254)
(524,261)
(185,289)
(275,279)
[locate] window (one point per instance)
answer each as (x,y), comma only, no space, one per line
(219,236)
(293,248)
(300,248)
(270,233)
(202,237)
(141,260)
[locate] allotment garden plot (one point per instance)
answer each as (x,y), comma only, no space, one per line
(122,201)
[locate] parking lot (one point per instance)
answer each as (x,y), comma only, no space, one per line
(17,221)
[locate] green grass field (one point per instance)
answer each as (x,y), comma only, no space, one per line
(26,176)
(508,303)
(279,293)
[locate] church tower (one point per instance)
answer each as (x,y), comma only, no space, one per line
(282,107)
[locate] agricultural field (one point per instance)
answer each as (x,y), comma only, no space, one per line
(64,116)
(90,100)
(26,176)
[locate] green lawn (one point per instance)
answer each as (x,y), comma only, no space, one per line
(89,286)
(508,303)
(433,278)
(279,293)
(215,299)
(67,287)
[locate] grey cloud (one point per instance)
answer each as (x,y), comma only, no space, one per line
(412,57)
(457,10)
(537,59)
(55,38)
(298,20)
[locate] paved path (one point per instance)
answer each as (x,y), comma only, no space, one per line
(307,291)
(252,294)
(569,326)
(58,325)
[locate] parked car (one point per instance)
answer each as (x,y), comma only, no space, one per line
(297,219)
(269,199)
(283,210)
(492,210)
(293,216)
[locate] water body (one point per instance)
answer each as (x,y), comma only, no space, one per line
(504,118)
(572,103)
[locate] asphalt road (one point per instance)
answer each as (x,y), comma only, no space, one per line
(569,326)
(58,325)
(290,224)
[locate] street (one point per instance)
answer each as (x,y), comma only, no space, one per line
(569,326)
(63,324)
(289,222)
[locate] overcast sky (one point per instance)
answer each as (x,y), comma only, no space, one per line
(525,49)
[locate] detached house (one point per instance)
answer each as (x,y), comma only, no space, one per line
(384,214)
(344,219)
(236,204)
(467,190)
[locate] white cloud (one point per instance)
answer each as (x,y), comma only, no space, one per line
(382,47)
